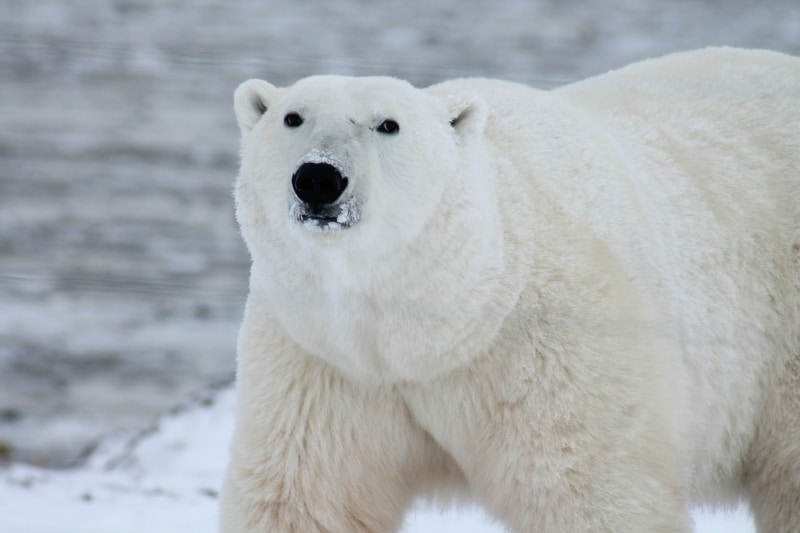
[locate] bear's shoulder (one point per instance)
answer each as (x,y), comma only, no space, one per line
(490,89)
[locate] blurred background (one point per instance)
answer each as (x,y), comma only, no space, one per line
(122,274)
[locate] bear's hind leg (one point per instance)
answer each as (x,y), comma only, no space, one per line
(772,472)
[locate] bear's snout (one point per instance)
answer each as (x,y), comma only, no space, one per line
(318,184)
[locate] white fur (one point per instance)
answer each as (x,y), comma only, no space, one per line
(581,307)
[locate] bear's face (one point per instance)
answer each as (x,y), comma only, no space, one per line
(360,161)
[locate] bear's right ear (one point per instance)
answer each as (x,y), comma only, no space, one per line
(251,100)
(467,113)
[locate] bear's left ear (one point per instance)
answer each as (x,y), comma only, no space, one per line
(251,100)
(467,113)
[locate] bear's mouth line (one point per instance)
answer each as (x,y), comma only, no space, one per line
(337,217)
(323,219)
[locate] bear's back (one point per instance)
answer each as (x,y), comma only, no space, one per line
(686,168)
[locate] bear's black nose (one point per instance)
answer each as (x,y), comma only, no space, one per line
(318,184)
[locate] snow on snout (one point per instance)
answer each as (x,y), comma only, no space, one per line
(321,156)
(349,213)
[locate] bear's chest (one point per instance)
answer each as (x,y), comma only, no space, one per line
(368,341)
(389,337)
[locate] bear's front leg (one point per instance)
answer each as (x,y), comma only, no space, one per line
(313,452)
(563,437)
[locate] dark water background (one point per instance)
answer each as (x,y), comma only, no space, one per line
(122,275)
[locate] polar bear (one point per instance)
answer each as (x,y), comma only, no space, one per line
(580,307)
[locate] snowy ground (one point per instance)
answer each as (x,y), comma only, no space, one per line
(122,275)
(167,478)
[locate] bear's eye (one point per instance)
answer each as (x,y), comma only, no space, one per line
(292,120)
(389,126)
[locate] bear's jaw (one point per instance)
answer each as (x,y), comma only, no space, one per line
(326,219)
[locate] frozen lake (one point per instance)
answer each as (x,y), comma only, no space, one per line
(122,274)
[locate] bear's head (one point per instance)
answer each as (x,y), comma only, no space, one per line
(370,211)
(362,162)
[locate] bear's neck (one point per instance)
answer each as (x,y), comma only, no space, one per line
(425,310)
